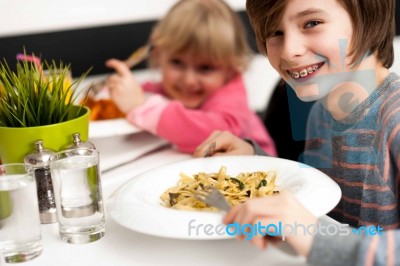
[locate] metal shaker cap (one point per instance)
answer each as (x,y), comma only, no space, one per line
(40,157)
(78,143)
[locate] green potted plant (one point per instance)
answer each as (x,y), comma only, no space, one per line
(37,105)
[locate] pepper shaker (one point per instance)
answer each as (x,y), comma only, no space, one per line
(40,159)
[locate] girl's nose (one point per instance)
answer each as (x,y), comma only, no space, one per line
(190,77)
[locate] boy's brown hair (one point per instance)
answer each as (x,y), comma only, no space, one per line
(373,21)
(208,29)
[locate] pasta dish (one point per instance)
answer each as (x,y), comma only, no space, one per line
(235,189)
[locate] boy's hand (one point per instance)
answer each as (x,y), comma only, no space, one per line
(124,89)
(282,208)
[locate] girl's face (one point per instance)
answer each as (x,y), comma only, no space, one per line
(191,79)
(311,44)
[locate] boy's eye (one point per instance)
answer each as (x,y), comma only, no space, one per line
(275,34)
(312,24)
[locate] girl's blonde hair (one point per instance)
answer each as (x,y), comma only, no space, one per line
(208,29)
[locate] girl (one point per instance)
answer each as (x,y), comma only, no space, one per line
(337,52)
(201,48)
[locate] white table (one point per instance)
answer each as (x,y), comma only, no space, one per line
(121,246)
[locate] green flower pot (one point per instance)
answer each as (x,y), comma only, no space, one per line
(16,143)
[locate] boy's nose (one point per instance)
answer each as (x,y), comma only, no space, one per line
(293,47)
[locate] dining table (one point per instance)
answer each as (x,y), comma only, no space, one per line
(122,158)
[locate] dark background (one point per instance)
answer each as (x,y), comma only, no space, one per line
(84,48)
(91,47)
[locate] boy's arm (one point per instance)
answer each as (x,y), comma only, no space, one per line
(334,249)
(353,249)
(350,249)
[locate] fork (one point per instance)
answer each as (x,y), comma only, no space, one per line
(135,58)
(210,149)
(213,197)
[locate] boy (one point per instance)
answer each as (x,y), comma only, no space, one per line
(337,52)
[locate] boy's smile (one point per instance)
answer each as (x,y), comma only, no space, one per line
(306,43)
(310,48)
(303,73)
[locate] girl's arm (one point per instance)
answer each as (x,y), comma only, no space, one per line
(187,128)
(125,91)
(226,110)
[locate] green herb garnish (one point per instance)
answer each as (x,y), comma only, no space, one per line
(263,183)
(240,183)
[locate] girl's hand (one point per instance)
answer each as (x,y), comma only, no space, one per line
(226,144)
(124,89)
(282,208)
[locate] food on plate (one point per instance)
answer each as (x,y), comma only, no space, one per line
(101,109)
(236,189)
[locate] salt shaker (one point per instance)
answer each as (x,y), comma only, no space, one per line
(79,144)
(78,148)
(40,159)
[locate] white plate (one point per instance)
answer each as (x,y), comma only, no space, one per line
(111,127)
(137,205)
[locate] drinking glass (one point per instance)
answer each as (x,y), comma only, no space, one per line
(20,233)
(78,194)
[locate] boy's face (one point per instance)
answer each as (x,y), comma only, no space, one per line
(311,42)
(191,79)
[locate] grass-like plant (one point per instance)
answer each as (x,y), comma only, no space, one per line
(28,98)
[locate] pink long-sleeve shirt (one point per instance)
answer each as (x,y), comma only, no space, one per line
(225,109)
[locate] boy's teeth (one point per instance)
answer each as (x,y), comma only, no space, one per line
(303,72)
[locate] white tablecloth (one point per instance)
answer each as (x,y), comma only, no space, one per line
(121,246)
